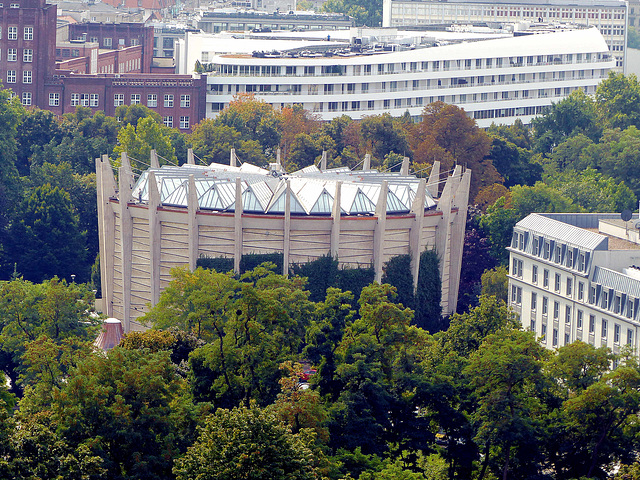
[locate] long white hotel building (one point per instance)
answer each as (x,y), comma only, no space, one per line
(577,277)
(492,79)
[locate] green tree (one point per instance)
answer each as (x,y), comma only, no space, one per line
(618,101)
(383,135)
(246,444)
(27,312)
(132,114)
(571,116)
(47,240)
(368,13)
(138,142)
(37,128)
(495,282)
(125,407)
(504,372)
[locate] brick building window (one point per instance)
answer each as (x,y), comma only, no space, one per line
(27,55)
(184,123)
(26,98)
(152,100)
(106,42)
(185,101)
(118,99)
(75,99)
(168,121)
(28,33)
(168,101)
(12,54)
(11,76)
(26,76)
(84,99)
(94,100)
(54,99)
(135,98)
(12,33)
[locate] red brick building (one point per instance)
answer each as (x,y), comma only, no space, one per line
(116,36)
(27,44)
(179,99)
(86,77)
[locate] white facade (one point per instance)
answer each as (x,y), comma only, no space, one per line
(568,282)
(609,16)
(494,80)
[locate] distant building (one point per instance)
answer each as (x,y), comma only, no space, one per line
(171,216)
(577,277)
(115,36)
(609,16)
(495,78)
(215,22)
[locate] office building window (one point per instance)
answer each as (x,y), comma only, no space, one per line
(534,274)
(27,55)
(135,98)
(556,310)
(12,33)
(543,331)
(11,76)
(184,123)
(580,291)
(569,286)
(555,337)
(27,76)
(516,295)
(118,99)
(12,54)
(567,339)
(616,334)
(26,98)
(557,282)
(534,300)
(629,308)
(545,306)
(532,325)
(185,101)
(168,101)
(94,100)
(152,100)
(28,33)
(629,336)
(545,278)
(54,99)
(604,328)
(592,324)
(75,99)
(168,121)
(567,314)
(579,317)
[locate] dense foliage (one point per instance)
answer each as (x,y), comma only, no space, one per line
(214,390)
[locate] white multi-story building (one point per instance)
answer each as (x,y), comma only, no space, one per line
(577,277)
(609,16)
(494,80)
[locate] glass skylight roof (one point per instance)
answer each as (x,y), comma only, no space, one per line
(312,191)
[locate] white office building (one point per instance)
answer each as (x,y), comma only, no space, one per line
(577,277)
(609,16)
(493,79)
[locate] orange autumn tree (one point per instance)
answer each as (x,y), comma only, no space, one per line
(448,135)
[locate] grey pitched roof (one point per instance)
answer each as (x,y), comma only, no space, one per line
(563,232)
(617,281)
